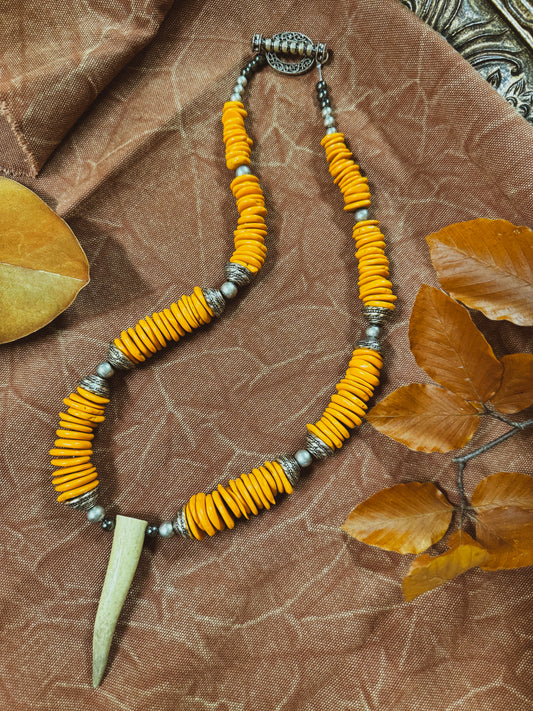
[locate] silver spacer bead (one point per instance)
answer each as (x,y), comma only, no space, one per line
(235,97)
(326,111)
(215,300)
(166,529)
(180,524)
(318,448)
(238,274)
(362,214)
(117,358)
(96,513)
(303,457)
(105,369)
(329,121)
(229,290)
(243,170)
(369,343)
(256,42)
(242,81)
(376,315)
(291,468)
(95,384)
(331,129)
(84,502)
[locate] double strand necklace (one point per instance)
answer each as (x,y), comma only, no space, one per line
(76,480)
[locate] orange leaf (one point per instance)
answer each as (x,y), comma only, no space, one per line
(425,418)
(450,348)
(516,390)
(42,266)
(504,508)
(488,265)
(428,572)
(406,518)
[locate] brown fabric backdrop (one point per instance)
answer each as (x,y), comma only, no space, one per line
(284,612)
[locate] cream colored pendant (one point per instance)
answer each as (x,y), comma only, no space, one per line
(126,550)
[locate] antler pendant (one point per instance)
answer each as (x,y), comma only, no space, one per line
(126,550)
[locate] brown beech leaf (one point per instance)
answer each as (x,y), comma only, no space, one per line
(406,518)
(504,509)
(428,572)
(42,265)
(450,348)
(425,418)
(488,265)
(516,390)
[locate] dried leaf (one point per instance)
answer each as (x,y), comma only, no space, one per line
(488,265)
(406,518)
(516,390)
(42,265)
(504,508)
(450,348)
(428,572)
(425,418)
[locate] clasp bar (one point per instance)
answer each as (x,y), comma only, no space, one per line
(290,43)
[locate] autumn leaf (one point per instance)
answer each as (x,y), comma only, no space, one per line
(450,348)
(42,265)
(425,418)
(504,508)
(406,518)
(488,265)
(428,572)
(516,390)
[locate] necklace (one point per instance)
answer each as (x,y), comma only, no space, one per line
(76,479)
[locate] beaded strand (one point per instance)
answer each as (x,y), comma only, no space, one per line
(76,479)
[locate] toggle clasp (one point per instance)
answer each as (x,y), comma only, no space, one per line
(293,43)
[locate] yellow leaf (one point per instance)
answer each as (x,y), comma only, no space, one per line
(425,418)
(450,348)
(516,390)
(488,265)
(428,572)
(42,265)
(504,508)
(406,518)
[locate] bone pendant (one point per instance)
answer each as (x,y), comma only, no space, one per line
(125,553)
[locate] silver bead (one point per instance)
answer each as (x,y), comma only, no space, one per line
(376,315)
(243,170)
(166,529)
(373,332)
(235,96)
(362,214)
(180,524)
(105,369)
(95,384)
(369,343)
(291,468)
(229,290)
(303,457)
(329,121)
(96,513)
(215,300)
(330,130)
(83,502)
(238,274)
(242,81)
(318,448)
(326,111)
(117,358)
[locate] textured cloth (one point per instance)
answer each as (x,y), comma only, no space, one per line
(285,611)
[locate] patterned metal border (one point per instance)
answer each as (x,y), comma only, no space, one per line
(495,36)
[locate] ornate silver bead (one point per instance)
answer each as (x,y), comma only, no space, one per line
(243,170)
(84,502)
(215,300)
(180,524)
(369,343)
(291,468)
(237,274)
(318,448)
(96,513)
(95,384)
(166,529)
(117,358)
(105,369)
(303,457)
(376,315)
